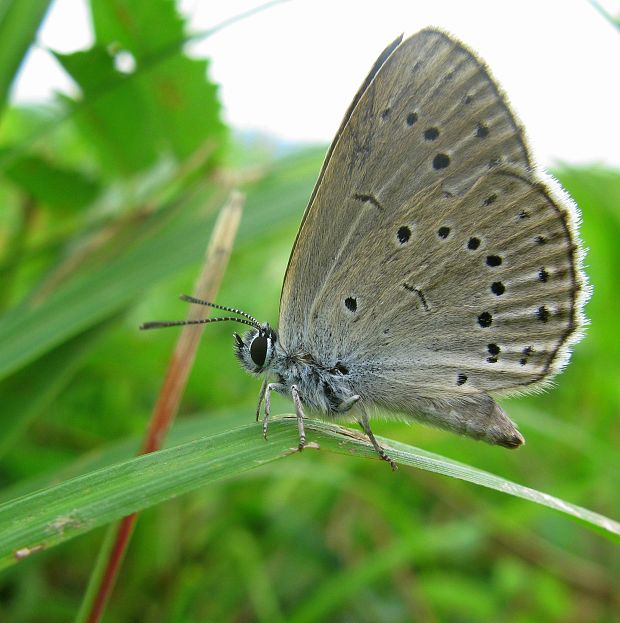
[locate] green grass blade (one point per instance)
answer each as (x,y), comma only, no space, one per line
(58,513)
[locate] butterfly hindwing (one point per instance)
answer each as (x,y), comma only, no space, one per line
(473,293)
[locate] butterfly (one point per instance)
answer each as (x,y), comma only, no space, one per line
(436,266)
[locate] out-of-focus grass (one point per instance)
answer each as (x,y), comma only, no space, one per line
(308,524)
(316,537)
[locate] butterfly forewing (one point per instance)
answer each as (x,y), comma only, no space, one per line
(432,256)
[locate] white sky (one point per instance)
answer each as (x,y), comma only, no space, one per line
(292,70)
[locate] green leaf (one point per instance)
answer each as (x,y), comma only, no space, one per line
(52,185)
(58,513)
(114,112)
(140,26)
(185,105)
(165,104)
(19,22)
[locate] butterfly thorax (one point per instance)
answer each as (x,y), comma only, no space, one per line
(321,386)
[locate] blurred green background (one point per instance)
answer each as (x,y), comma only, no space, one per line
(106,204)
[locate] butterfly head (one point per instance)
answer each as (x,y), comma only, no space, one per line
(256,348)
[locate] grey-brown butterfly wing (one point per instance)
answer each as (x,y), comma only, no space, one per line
(381,151)
(433,262)
(475,292)
(369,78)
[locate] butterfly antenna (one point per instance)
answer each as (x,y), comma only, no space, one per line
(180,323)
(191,299)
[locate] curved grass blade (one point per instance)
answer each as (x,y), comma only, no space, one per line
(48,517)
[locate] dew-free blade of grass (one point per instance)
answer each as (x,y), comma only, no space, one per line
(55,514)
(58,513)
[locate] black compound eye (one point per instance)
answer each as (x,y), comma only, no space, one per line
(258,350)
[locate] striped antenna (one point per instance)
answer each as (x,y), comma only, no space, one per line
(180,323)
(191,299)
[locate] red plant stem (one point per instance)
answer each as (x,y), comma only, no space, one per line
(121,541)
(218,252)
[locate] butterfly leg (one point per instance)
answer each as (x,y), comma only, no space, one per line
(300,417)
(269,387)
(261,397)
(365,424)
